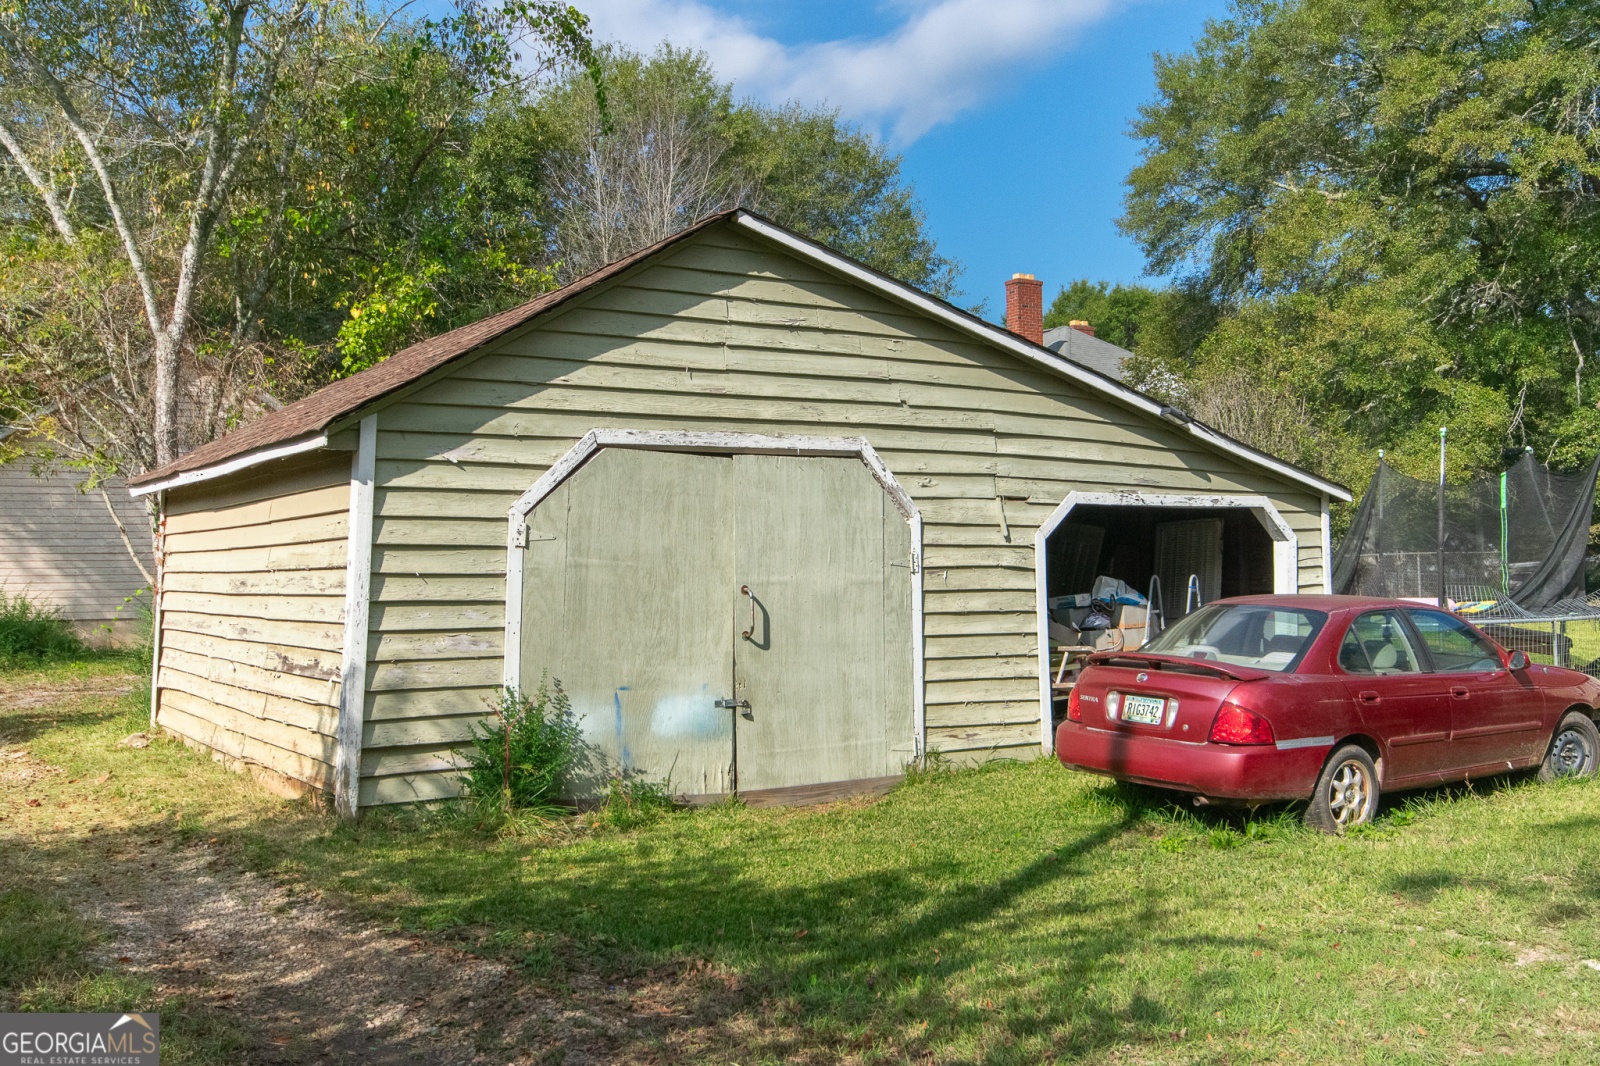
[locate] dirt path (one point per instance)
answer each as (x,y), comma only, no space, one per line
(308,981)
(319,987)
(34,697)
(313,984)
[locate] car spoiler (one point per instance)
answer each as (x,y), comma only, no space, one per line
(1179,664)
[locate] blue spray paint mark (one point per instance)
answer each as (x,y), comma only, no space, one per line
(688,717)
(616,700)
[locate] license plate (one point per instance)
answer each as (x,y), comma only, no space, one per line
(1149,710)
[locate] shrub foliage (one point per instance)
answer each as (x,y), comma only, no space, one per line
(31,633)
(521,759)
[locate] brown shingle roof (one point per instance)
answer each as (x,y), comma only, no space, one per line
(321,409)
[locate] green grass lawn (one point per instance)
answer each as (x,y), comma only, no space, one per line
(1014,914)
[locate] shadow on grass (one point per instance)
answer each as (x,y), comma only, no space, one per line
(19,727)
(903,954)
(802,935)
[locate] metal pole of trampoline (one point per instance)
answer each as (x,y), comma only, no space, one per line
(1442,599)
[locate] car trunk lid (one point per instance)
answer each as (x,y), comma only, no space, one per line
(1158,695)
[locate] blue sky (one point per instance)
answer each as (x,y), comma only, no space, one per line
(1012,115)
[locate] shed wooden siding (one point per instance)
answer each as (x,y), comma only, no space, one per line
(60,547)
(728,334)
(252,615)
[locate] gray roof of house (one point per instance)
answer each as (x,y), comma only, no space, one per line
(1088,351)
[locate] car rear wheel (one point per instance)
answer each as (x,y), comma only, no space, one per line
(1574,749)
(1347,791)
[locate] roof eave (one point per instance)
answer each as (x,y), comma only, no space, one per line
(230,466)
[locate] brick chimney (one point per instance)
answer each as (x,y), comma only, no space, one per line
(1025,307)
(1081,326)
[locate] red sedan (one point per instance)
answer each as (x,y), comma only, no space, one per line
(1324,698)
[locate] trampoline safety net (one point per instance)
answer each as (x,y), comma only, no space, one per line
(1520,535)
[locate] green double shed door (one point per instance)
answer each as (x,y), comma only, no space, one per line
(726,623)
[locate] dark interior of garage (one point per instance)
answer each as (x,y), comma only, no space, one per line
(1226,549)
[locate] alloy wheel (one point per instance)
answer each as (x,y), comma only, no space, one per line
(1349,794)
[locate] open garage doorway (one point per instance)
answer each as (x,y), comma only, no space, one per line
(1176,551)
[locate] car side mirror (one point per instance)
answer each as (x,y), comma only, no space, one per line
(1519,660)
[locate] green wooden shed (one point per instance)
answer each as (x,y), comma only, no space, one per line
(778,524)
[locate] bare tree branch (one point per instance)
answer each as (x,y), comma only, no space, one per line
(122,531)
(46,189)
(108,187)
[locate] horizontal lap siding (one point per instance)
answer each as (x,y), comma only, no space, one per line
(252,615)
(61,548)
(714,339)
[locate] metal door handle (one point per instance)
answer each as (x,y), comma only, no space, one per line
(1460,692)
(1368,697)
(732,704)
(744,590)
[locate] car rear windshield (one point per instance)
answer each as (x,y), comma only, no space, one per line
(1267,638)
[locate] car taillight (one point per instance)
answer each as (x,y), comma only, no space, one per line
(1074,707)
(1235,725)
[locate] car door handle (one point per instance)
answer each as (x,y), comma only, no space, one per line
(1460,692)
(1368,697)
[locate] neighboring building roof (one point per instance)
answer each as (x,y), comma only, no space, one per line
(303,425)
(1087,350)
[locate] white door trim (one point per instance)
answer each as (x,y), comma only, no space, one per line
(715,444)
(1285,562)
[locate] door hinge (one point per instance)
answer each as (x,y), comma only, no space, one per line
(522,536)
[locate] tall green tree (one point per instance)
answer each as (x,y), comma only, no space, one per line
(1396,205)
(195,189)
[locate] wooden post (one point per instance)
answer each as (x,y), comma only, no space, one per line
(357,595)
(1442,599)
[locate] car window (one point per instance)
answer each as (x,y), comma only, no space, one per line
(1267,638)
(1452,645)
(1377,643)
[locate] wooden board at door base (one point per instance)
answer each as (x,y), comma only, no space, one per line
(632,598)
(806,795)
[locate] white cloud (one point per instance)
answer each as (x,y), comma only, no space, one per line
(945,58)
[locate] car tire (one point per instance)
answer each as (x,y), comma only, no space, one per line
(1347,791)
(1574,748)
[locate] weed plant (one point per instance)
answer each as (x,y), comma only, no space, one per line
(32,634)
(519,763)
(631,801)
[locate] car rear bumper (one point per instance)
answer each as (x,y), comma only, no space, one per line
(1261,773)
